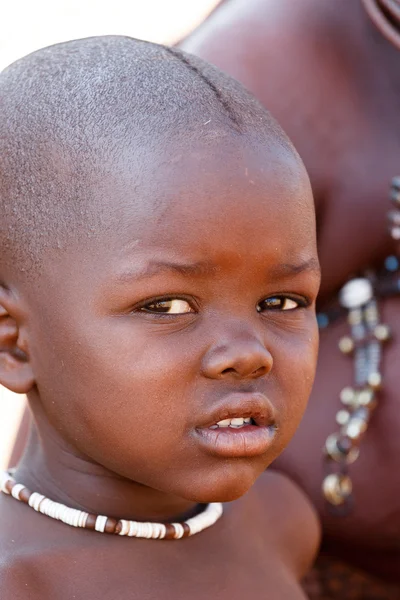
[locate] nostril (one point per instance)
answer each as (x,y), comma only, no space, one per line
(260,372)
(227,371)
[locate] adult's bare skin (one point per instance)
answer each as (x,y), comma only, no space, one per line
(333,82)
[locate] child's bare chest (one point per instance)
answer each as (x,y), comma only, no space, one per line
(173,574)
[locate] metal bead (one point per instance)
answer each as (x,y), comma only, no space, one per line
(342,417)
(355,317)
(395,183)
(367,398)
(375,380)
(382,332)
(395,233)
(347,395)
(346,345)
(355,428)
(394,217)
(337,488)
(395,193)
(338,454)
(355,293)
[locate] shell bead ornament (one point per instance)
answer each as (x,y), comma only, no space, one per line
(79,518)
(359,299)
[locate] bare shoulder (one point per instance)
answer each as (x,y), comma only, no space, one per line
(18,549)
(286,54)
(249,37)
(289,518)
(33,551)
(16,579)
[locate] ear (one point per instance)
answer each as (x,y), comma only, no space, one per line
(15,368)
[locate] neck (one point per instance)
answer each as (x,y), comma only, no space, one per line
(385,14)
(52,468)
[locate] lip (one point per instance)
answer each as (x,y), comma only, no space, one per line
(248,441)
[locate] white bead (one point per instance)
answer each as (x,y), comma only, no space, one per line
(57,511)
(83,519)
(75,518)
(4,477)
(179,531)
(148,530)
(35,500)
(133,528)
(100,523)
(163,531)
(45,506)
(355,293)
(64,514)
(139,529)
(18,487)
(124,527)
(67,517)
(156,530)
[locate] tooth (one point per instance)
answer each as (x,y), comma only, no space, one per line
(224,423)
(213,426)
(237,422)
(247,421)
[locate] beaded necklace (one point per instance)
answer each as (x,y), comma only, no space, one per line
(367,335)
(78,518)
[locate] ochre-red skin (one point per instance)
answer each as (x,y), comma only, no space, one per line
(333,82)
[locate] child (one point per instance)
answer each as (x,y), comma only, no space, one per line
(158,277)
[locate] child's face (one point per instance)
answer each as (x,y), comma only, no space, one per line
(193,304)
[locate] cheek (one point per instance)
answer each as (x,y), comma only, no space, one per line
(295,367)
(116,388)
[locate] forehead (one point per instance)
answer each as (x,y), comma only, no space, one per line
(233,189)
(229,200)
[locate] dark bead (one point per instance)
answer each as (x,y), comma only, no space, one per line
(9,485)
(24,495)
(170,534)
(91,522)
(118,527)
(391,263)
(111,525)
(187,530)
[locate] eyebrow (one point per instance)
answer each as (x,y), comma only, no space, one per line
(154,267)
(286,269)
(202,269)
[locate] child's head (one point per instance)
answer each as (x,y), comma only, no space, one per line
(158,265)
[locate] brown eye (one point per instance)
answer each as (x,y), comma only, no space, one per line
(278,303)
(173,306)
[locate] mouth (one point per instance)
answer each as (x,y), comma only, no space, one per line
(242,425)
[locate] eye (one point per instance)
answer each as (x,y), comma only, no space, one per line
(169,306)
(279,303)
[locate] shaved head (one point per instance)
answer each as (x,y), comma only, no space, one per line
(68,111)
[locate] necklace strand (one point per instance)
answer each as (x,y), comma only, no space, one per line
(359,298)
(78,518)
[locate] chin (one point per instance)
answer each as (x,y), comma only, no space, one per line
(223,485)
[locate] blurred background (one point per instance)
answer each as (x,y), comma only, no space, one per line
(26,26)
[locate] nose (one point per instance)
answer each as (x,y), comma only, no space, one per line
(240,359)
